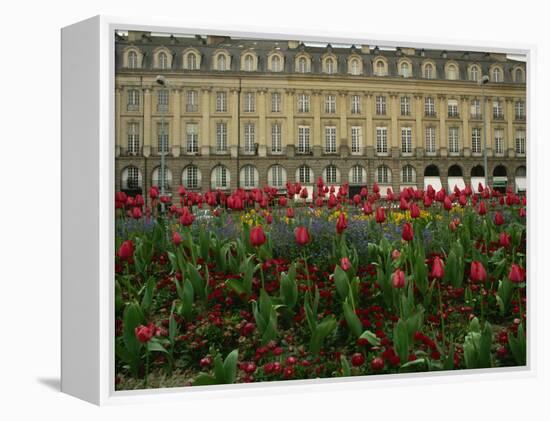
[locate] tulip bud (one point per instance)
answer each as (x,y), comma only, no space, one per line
(345,263)
(438,270)
(257,236)
(516,275)
(301,234)
(408,233)
(398,279)
(380,215)
(176,238)
(477,272)
(342,223)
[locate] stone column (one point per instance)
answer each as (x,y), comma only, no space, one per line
(317,132)
(262,145)
(418,122)
(395,150)
(369,129)
(233,138)
(205,120)
(442,144)
(488,119)
(176,124)
(147,122)
(288,108)
(118,123)
(465,123)
(509,138)
(342,146)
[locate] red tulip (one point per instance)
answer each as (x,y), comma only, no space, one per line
(522,212)
(517,274)
(427,201)
(186,218)
(301,234)
(290,212)
(176,238)
(499,219)
(356,199)
(447,204)
(477,272)
(403,205)
(341,224)
(408,232)
(415,211)
(377,364)
(380,215)
(345,263)
(126,250)
(438,270)
(375,188)
(154,192)
(398,279)
(145,333)
(136,213)
(357,359)
(504,239)
(462,200)
(282,201)
(303,193)
(367,208)
(395,254)
(269,218)
(482,210)
(257,236)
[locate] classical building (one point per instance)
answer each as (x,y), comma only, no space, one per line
(231,113)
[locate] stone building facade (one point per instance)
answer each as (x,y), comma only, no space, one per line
(234,113)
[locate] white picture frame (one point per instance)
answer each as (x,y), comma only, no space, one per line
(88,217)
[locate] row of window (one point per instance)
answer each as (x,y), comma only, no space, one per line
(330,145)
(163,60)
(220,176)
(304,104)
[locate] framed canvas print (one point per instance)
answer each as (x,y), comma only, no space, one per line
(243,210)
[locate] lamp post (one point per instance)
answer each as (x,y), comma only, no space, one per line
(161,81)
(482,82)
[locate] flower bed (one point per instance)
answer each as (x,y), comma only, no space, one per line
(253,286)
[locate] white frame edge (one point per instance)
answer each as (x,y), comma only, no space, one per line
(88,214)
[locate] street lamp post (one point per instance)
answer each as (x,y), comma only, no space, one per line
(161,81)
(482,82)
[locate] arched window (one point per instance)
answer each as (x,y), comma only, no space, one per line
(429,71)
(519,76)
(191,61)
(329,66)
(304,175)
(276,176)
(220,178)
(408,174)
(452,72)
(131,178)
(132,60)
(380,69)
(474,73)
(163,60)
(248,63)
(521,172)
(383,175)
(302,65)
(275,63)
(405,69)
(158,179)
(221,62)
(331,175)
(191,177)
(249,177)
(497,74)
(133,138)
(454,171)
(431,171)
(358,175)
(499,171)
(478,171)
(355,68)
